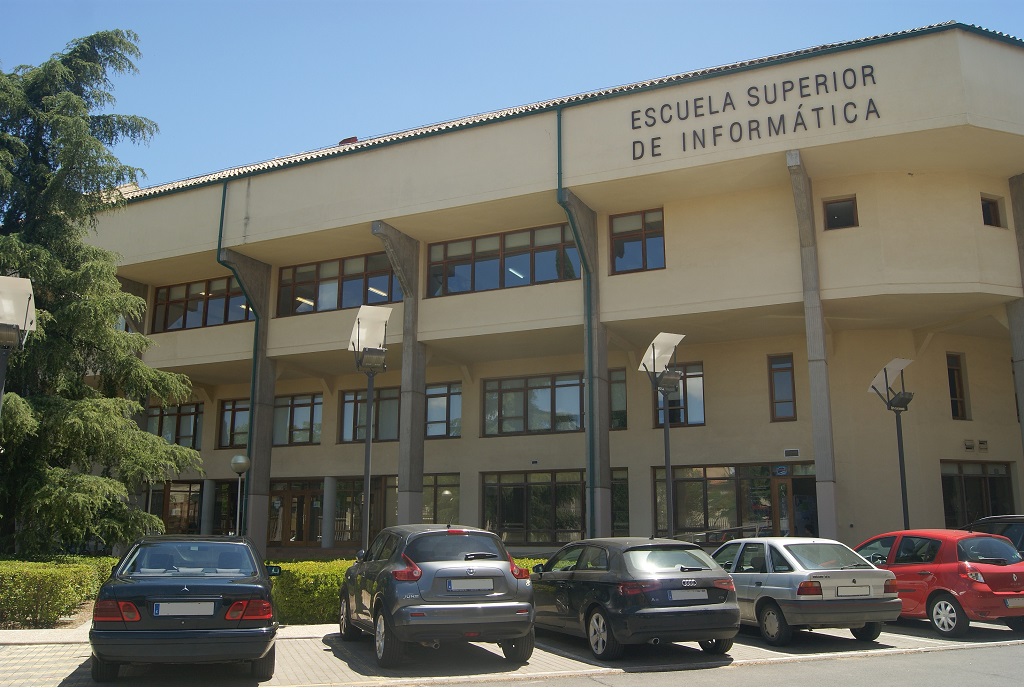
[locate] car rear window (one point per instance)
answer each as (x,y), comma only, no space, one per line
(987,550)
(654,559)
(819,556)
(189,558)
(445,546)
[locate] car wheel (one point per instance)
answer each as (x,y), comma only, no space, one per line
(519,650)
(774,627)
(716,647)
(1015,623)
(104,671)
(868,632)
(947,616)
(348,631)
(602,641)
(263,668)
(388,647)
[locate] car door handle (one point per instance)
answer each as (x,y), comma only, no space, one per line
(758,584)
(924,573)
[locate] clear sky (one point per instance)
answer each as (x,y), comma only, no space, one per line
(233,82)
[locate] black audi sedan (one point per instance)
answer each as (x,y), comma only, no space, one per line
(628,590)
(183,599)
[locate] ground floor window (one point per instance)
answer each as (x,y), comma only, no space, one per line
(535,507)
(620,502)
(973,490)
(178,504)
(717,503)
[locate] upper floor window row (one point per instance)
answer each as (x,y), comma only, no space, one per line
(638,241)
(502,261)
(200,304)
(331,285)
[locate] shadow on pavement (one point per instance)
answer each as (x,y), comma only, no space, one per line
(451,659)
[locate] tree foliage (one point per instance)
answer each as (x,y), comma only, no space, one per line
(72,453)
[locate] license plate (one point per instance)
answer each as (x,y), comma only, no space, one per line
(182,608)
(676,595)
(464,584)
(853,590)
(1015,602)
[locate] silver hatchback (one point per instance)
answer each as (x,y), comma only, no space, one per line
(784,583)
(430,584)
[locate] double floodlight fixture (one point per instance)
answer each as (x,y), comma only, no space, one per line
(367,340)
(896,401)
(659,355)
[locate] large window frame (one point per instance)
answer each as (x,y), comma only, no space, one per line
(637,241)
(298,419)
(975,489)
(532,405)
(444,410)
(386,410)
(337,284)
(520,258)
(840,213)
(206,303)
(181,424)
(956,377)
(534,507)
(687,405)
(233,432)
(782,387)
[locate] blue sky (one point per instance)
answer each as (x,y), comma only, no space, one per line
(232,82)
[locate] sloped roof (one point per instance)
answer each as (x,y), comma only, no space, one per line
(135,193)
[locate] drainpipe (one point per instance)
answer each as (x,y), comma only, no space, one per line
(588,336)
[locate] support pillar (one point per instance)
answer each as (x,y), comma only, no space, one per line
(206,510)
(817,359)
(1015,309)
(327,512)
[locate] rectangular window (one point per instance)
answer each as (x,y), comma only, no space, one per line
(992,211)
(181,425)
(532,405)
(444,410)
(781,387)
(620,502)
(234,424)
(617,400)
(686,404)
(385,415)
(957,389)
(338,283)
(200,304)
(638,241)
(440,498)
(537,507)
(298,419)
(503,261)
(973,490)
(841,213)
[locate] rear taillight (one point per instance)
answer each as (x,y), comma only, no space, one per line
(250,610)
(809,588)
(638,587)
(890,586)
(967,570)
(725,584)
(518,571)
(112,610)
(411,572)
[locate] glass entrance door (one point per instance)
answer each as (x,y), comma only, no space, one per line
(295,513)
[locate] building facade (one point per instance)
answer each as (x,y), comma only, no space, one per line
(802,219)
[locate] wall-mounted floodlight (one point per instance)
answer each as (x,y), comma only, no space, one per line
(367,342)
(17,319)
(664,379)
(239,464)
(897,402)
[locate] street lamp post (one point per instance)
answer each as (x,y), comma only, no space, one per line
(666,381)
(897,402)
(367,342)
(17,319)
(239,464)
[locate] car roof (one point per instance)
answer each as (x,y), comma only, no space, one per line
(1005,518)
(627,542)
(414,528)
(783,540)
(937,533)
(232,539)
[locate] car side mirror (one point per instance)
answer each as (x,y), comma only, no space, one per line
(538,568)
(113,569)
(273,570)
(361,555)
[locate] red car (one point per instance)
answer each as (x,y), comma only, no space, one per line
(952,577)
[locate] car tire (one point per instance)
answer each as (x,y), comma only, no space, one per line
(519,650)
(1016,623)
(103,671)
(947,616)
(774,627)
(263,668)
(602,640)
(717,647)
(868,632)
(388,647)
(345,627)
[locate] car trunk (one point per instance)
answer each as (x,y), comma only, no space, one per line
(444,581)
(1002,578)
(843,584)
(186,601)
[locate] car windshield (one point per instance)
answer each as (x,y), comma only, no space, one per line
(189,558)
(652,559)
(445,546)
(819,556)
(987,550)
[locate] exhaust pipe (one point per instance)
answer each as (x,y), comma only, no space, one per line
(655,641)
(432,644)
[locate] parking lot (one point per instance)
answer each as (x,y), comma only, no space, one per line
(316,655)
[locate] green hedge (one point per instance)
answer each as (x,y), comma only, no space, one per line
(38,594)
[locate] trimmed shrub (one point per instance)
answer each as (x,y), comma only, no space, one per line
(38,594)
(306,592)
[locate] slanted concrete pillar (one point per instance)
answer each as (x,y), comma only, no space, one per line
(817,360)
(327,512)
(598,399)
(404,255)
(142,291)
(206,510)
(255,279)
(1015,309)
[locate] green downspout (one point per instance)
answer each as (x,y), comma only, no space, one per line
(588,329)
(255,350)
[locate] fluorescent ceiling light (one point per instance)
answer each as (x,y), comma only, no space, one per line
(375,290)
(302,300)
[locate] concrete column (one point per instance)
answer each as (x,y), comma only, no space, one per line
(255,279)
(817,360)
(328,507)
(598,399)
(206,513)
(142,291)
(1015,309)
(404,255)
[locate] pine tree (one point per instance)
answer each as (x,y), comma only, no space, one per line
(71,451)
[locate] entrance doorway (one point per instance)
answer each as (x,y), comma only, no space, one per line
(296,513)
(794,506)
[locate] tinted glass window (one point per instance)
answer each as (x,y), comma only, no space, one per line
(190,558)
(442,546)
(668,559)
(779,563)
(917,550)
(825,555)
(594,559)
(726,556)
(564,560)
(987,550)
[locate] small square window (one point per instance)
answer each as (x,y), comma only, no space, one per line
(841,213)
(991,212)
